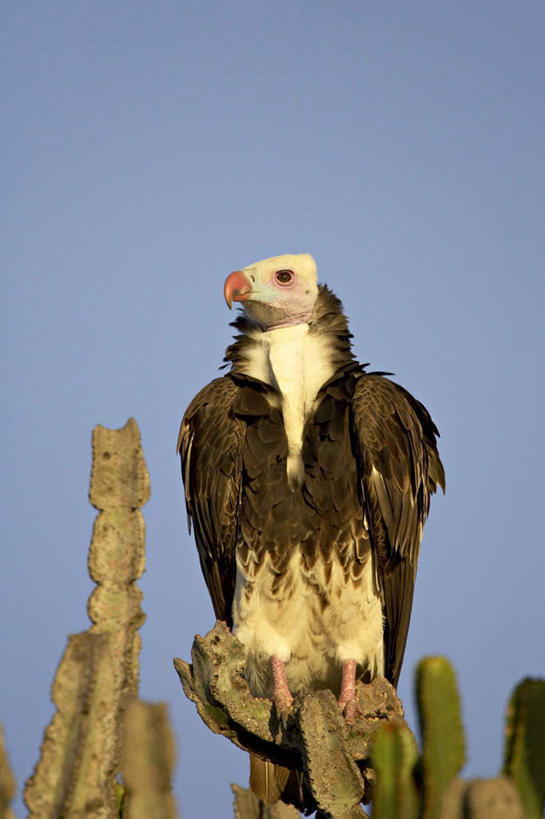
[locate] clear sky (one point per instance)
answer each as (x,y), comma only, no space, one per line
(151,148)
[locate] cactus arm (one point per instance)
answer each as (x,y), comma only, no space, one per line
(441,730)
(525,744)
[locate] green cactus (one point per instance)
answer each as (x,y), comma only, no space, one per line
(394,755)
(441,730)
(525,745)
(519,792)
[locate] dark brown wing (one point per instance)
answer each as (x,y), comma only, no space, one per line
(210,447)
(399,468)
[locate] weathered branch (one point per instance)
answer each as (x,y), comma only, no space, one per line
(315,739)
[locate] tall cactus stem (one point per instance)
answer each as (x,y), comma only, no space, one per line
(524,759)
(442,734)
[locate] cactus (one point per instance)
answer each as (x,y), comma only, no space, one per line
(394,756)
(97,678)
(482,799)
(100,730)
(99,670)
(7,782)
(146,763)
(525,745)
(441,794)
(314,739)
(441,731)
(334,777)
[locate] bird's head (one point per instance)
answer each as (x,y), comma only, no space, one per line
(276,292)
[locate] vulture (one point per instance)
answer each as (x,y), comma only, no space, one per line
(307,482)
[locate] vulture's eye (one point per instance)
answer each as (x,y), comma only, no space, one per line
(284,277)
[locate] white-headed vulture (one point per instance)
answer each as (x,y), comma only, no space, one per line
(308,482)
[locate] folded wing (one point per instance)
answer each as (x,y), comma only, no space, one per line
(399,468)
(210,447)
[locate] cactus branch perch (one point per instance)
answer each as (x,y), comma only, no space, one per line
(314,739)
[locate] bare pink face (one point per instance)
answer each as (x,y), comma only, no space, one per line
(276,292)
(240,286)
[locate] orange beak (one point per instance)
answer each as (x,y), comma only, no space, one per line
(236,288)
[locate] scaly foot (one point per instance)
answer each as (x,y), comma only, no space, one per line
(282,697)
(347,699)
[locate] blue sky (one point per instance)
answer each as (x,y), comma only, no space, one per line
(150,149)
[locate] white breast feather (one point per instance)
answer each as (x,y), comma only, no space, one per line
(293,625)
(296,362)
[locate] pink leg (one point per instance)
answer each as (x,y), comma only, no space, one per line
(347,699)
(282,697)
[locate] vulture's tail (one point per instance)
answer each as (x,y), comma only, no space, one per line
(270,782)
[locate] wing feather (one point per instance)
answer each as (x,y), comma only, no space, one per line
(399,468)
(210,446)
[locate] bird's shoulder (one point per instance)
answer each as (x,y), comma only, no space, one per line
(396,431)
